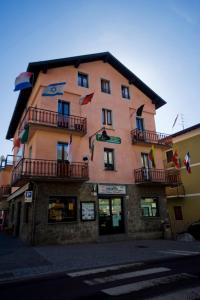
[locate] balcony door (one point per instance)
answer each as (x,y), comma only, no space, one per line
(63,113)
(146,165)
(111,219)
(62,160)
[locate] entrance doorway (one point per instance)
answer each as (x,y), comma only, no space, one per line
(18,221)
(111,217)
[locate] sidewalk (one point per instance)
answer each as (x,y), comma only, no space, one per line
(19,261)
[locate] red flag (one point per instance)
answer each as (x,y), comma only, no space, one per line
(86,99)
(176,160)
(16,143)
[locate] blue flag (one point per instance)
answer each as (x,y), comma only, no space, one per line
(54,89)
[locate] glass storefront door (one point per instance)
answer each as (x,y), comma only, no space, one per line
(111,218)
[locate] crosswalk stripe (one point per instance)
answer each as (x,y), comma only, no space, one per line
(101,280)
(185,294)
(180,252)
(105,269)
(140,285)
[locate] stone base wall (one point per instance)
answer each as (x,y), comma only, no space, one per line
(38,231)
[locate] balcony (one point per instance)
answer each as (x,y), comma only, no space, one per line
(44,117)
(150,137)
(157,176)
(175,192)
(5,191)
(40,169)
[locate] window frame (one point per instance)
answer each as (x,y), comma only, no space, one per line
(125,95)
(140,120)
(109,166)
(178,213)
(66,219)
(81,78)
(106,90)
(150,211)
(107,118)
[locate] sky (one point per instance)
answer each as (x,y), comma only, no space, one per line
(158,40)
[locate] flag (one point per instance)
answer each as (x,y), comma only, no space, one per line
(23,81)
(16,143)
(176,160)
(54,89)
(24,135)
(86,99)
(92,150)
(152,156)
(187,162)
(175,121)
(139,111)
(69,150)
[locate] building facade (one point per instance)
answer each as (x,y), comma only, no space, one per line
(183,201)
(84,172)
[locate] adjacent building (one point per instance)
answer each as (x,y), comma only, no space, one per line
(183,201)
(84,172)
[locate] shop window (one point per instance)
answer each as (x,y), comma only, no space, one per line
(109,159)
(62,209)
(83,80)
(125,92)
(149,207)
(178,213)
(105,86)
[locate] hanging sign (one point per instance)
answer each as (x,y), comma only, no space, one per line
(112,139)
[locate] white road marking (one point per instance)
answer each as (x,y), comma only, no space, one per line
(180,252)
(185,294)
(133,274)
(140,285)
(101,270)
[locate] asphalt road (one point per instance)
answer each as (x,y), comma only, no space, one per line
(177,278)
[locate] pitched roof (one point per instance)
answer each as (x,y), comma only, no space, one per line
(36,67)
(196,126)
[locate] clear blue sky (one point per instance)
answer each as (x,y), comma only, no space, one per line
(158,40)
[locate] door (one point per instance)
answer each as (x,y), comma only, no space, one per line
(63,113)
(145,166)
(111,218)
(62,160)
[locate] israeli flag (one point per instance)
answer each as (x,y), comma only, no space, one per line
(54,89)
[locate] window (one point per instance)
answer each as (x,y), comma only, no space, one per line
(178,213)
(62,151)
(106,117)
(62,209)
(109,159)
(125,92)
(83,80)
(169,156)
(105,86)
(30,152)
(149,207)
(139,123)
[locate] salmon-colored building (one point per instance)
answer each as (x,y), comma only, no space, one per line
(83,172)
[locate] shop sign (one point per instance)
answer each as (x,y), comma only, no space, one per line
(111,189)
(112,139)
(28,195)
(87,211)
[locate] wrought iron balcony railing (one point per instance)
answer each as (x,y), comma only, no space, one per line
(51,118)
(150,137)
(159,176)
(27,169)
(5,190)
